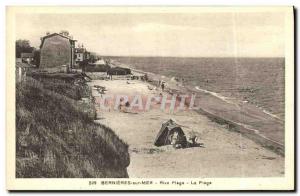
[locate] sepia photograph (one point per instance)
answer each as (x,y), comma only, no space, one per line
(150,98)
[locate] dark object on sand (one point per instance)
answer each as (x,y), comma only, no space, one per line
(171,133)
(100,89)
(193,139)
(162,86)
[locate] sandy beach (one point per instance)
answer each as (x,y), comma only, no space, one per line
(223,153)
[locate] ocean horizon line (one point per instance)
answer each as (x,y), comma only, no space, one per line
(137,56)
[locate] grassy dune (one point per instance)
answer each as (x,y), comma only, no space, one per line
(56,135)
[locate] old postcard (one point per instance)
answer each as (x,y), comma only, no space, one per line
(150,98)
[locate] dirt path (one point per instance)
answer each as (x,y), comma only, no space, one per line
(224,153)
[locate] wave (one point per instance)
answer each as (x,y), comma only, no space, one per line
(270,114)
(214,94)
(226,99)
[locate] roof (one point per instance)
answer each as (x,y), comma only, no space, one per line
(23,65)
(26,55)
(100,62)
(54,34)
(79,50)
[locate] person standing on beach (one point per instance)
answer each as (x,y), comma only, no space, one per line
(162,86)
(109,74)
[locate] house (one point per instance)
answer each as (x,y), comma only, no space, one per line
(87,55)
(100,62)
(81,54)
(119,71)
(57,50)
(27,57)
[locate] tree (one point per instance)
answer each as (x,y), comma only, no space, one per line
(23,45)
(83,64)
(36,57)
(93,57)
(64,32)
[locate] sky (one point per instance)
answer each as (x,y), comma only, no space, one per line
(255,34)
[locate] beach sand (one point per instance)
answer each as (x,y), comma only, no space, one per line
(224,153)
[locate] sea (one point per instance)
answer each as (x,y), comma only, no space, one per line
(258,81)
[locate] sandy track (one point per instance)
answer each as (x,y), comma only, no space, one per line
(224,153)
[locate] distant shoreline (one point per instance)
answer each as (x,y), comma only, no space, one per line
(220,96)
(244,129)
(259,81)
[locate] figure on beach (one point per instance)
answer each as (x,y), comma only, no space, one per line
(109,74)
(159,83)
(162,86)
(146,77)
